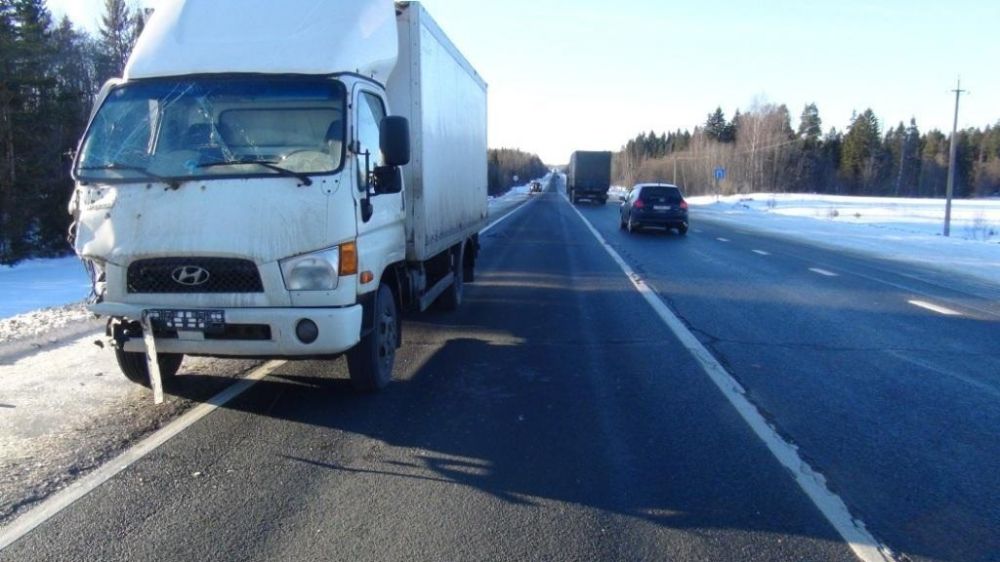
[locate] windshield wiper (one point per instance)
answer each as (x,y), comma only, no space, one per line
(119,166)
(305,179)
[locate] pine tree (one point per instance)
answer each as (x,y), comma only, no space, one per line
(139,23)
(861,151)
(933,164)
(8,155)
(26,89)
(810,125)
(117,32)
(716,127)
(911,172)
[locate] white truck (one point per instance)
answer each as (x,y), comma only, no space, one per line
(280,180)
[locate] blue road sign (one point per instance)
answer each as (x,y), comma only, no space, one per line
(720,173)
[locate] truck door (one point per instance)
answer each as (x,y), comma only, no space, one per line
(381,239)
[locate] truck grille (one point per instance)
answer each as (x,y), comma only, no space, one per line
(193,275)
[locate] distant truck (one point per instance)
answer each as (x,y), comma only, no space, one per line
(247,188)
(588,176)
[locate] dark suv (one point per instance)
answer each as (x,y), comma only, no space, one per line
(654,204)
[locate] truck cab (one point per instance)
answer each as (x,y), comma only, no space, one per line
(248,200)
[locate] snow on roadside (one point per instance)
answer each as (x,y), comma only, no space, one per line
(43,283)
(516,194)
(38,323)
(892,228)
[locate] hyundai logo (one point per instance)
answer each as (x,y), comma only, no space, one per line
(190,275)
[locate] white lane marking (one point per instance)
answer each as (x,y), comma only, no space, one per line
(935,308)
(723,239)
(762,253)
(823,272)
(505,217)
(63,499)
(853,531)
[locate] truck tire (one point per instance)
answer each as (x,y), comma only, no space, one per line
(133,365)
(451,299)
(370,362)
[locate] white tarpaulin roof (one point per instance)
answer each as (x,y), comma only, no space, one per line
(269,37)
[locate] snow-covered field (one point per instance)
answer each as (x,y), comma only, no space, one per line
(36,284)
(895,229)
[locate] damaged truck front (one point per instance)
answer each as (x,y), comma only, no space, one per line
(246,190)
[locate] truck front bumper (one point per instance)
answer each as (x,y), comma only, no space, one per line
(339,330)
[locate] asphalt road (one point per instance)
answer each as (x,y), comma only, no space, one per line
(897,405)
(555,417)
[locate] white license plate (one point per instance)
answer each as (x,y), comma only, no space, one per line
(661,208)
(188,320)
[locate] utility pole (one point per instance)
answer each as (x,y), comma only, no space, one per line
(951,162)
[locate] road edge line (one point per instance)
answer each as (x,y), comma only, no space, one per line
(853,531)
(62,499)
(507,215)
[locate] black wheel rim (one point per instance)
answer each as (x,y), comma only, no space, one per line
(387,338)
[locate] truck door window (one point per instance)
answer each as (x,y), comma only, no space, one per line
(370,115)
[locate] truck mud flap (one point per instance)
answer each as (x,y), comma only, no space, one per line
(367,302)
(152,362)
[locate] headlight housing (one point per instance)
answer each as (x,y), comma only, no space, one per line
(317,271)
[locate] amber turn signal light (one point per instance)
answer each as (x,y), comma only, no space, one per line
(348,259)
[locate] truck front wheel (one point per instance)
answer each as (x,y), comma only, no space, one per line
(370,362)
(133,365)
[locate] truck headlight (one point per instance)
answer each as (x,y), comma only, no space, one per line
(318,271)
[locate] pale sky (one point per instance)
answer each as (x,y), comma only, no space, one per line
(590,74)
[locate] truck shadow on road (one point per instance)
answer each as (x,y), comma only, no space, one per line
(525,414)
(555,389)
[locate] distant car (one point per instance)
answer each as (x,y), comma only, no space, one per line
(654,204)
(536,187)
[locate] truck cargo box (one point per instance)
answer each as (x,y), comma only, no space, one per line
(589,172)
(444,98)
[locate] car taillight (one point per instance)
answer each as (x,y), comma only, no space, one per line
(639,204)
(684,204)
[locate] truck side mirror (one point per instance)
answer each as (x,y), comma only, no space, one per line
(388,180)
(394,140)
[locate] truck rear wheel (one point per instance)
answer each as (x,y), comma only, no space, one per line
(370,362)
(133,365)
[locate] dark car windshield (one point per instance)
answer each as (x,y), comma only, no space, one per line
(186,128)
